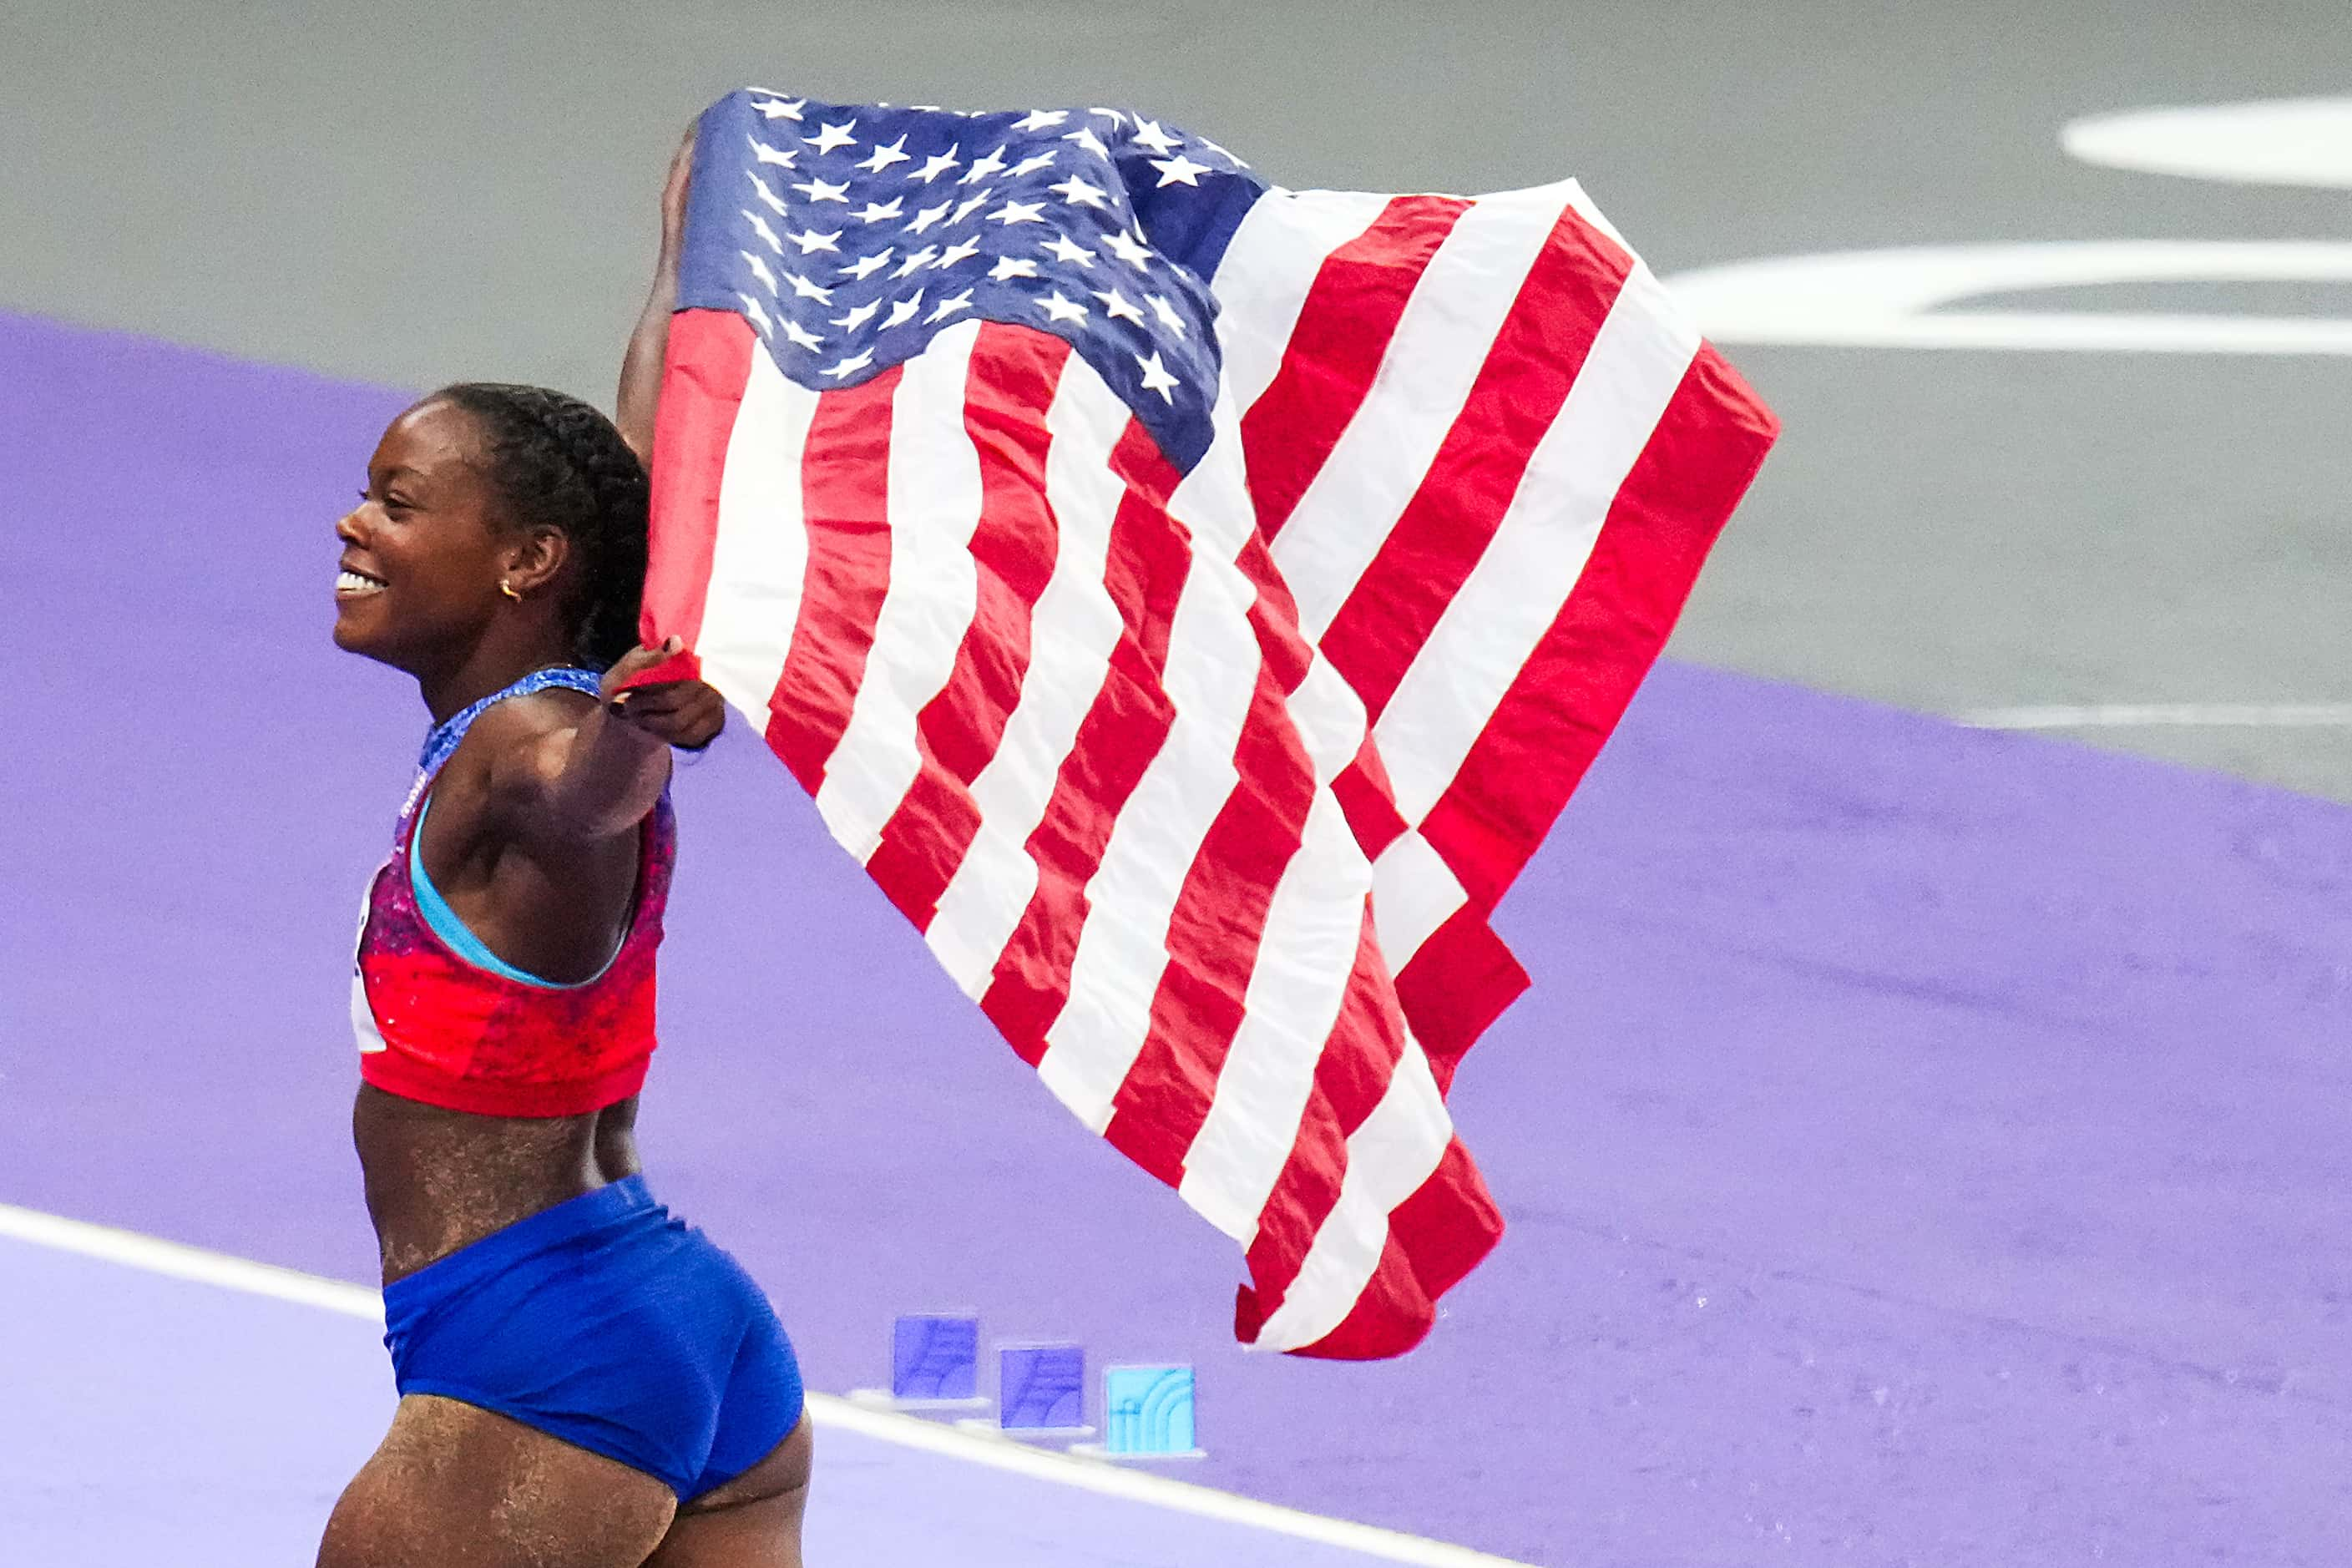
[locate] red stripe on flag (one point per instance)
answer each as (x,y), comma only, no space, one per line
(1572,690)
(1149,555)
(1212,939)
(1220,916)
(844,483)
(1368,800)
(703,375)
(1435,1236)
(1456,983)
(1350,1076)
(1455,511)
(1009,388)
(1343,330)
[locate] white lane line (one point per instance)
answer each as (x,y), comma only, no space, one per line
(203,1267)
(2190,715)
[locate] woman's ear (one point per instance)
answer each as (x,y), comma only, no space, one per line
(536,560)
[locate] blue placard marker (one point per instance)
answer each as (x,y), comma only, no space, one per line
(1041,1388)
(934,1364)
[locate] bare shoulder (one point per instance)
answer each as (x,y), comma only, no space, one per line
(516,748)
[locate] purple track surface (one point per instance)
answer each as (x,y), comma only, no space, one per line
(1921,1146)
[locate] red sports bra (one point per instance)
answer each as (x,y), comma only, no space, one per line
(437,1026)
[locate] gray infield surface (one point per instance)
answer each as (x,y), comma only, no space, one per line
(1921,1147)
(416,193)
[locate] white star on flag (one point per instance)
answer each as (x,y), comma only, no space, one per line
(768,198)
(829,137)
(1127,248)
(1148,133)
(767,154)
(812,241)
(767,234)
(1156,377)
(883,156)
(1115,304)
(1180,170)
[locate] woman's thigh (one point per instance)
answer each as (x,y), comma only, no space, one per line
(752,1521)
(454,1485)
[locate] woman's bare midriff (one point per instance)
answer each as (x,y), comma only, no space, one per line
(441,1180)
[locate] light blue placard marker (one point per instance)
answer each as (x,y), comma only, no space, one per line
(1148,1413)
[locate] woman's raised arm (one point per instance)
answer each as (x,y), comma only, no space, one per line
(641,365)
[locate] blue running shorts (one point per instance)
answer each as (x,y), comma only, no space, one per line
(611,1324)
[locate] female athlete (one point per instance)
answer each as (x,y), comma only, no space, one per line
(583,1379)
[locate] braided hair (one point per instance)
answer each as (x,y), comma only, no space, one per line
(555,460)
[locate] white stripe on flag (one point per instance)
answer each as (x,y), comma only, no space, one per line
(934,501)
(1211,673)
(1313,929)
(1490,629)
(759,557)
(1262,280)
(1440,342)
(1388,1157)
(1413,893)
(1072,631)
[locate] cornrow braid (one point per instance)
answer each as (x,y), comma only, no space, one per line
(557,461)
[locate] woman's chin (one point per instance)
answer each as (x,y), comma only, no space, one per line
(354,631)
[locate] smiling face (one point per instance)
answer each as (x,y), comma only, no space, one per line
(426,549)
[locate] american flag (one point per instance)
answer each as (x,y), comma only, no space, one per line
(1191,601)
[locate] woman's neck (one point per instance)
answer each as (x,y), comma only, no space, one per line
(492,664)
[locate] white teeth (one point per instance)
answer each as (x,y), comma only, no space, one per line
(352,583)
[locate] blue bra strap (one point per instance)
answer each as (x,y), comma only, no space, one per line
(450,730)
(456,935)
(438,745)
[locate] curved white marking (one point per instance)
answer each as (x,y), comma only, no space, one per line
(2273,142)
(194,1263)
(1888,298)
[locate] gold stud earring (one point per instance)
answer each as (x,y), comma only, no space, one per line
(509,590)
